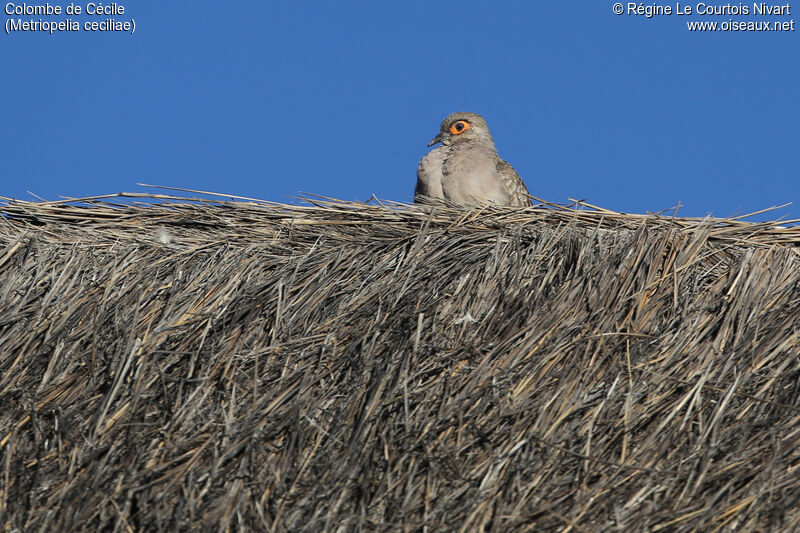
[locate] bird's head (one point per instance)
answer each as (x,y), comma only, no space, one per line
(463,127)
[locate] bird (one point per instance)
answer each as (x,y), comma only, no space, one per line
(466,169)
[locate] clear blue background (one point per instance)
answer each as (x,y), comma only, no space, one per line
(267,99)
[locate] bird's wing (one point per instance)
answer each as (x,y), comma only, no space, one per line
(517,191)
(429,175)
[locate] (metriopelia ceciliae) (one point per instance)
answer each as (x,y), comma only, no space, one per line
(466,168)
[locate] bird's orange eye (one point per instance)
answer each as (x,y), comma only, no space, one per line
(458,127)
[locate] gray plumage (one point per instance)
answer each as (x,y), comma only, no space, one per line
(466,168)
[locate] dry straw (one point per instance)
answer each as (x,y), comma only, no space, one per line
(176,364)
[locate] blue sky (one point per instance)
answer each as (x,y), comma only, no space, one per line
(267,99)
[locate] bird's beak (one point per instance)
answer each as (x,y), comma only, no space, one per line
(439,138)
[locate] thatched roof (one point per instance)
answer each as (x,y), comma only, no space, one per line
(349,367)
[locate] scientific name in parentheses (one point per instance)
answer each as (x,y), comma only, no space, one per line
(69,25)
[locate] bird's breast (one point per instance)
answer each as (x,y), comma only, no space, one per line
(469,175)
